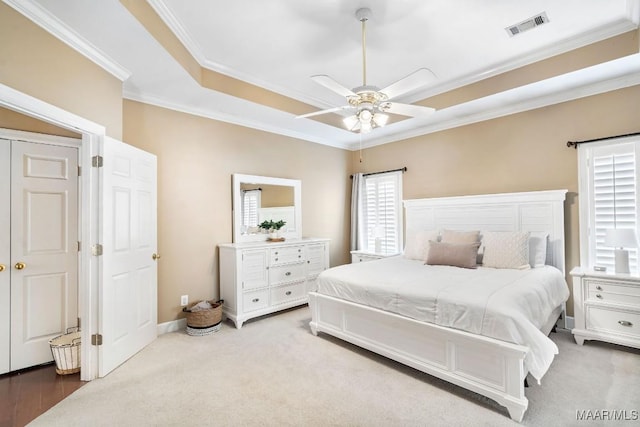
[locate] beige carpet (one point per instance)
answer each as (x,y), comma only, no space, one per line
(273,371)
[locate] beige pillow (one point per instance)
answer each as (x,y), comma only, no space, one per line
(453,236)
(506,249)
(418,245)
(453,254)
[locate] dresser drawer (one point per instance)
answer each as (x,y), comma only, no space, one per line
(619,293)
(605,319)
(287,293)
(287,273)
(255,300)
(286,255)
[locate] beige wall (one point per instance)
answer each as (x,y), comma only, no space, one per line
(196,158)
(34,62)
(12,120)
(521,152)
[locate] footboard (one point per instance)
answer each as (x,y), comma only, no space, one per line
(489,367)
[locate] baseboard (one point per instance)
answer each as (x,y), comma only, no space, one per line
(173,326)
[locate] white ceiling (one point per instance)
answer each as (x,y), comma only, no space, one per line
(279,44)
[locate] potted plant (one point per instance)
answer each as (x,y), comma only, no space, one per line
(272,227)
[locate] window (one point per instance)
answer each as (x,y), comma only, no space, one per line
(608,198)
(382,212)
(250,204)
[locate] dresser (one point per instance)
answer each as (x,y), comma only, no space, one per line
(258,278)
(606,307)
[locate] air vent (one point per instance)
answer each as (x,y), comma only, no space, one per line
(528,24)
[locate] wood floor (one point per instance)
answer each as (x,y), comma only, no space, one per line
(28,393)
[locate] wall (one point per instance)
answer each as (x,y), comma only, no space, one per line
(36,63)
(10,119)
(521,152)
(196,158)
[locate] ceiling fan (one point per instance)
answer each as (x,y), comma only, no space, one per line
(371,104)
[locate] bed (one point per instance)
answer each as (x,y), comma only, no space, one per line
(381,306)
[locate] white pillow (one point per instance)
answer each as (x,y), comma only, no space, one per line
(538,248)
(417,246)
(506,249)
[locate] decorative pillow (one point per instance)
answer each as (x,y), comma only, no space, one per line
(453,254)
(417,246)
(453,236)
(506,249)
(538,248)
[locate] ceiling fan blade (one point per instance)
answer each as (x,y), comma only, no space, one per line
(332,85)
(413,81)
(406,109)
(328,110)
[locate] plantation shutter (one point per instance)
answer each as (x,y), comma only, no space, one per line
(250,204)
(382,212)
(614,199)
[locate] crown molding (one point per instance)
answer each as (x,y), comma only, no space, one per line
(44,19)
(230,118)
(594,80)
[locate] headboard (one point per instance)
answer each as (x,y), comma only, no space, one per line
(529,211)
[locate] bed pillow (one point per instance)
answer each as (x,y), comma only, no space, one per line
(417,246)
(454,254)
(538,248)
(454,236)
(506,249)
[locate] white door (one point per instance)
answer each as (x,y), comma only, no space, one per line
(128,292)
(44,248)
(5,257)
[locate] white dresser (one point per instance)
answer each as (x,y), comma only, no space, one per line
(606,307)
(259,278)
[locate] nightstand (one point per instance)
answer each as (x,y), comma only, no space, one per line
(362,256)
(606,307)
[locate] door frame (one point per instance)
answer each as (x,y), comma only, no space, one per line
(89,231)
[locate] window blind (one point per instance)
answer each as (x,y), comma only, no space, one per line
(614,199)
(250,204)
(382,212)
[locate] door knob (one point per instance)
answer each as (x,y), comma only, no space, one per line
(155,256)
(20,265)
(2,267)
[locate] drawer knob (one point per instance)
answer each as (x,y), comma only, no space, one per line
(625,323)
(255,300)
(276,259)
(288,273)
(599,288)
(288,293)
(276,253)
(598,296)
(299,256)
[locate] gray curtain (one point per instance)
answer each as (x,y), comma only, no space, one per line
(357,234)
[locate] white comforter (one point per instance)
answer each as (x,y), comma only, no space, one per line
(510,305)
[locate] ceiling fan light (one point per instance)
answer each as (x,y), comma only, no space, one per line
(350,122)
(365,127)
(365,116)
(380,119)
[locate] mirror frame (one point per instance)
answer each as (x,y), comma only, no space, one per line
(238,179)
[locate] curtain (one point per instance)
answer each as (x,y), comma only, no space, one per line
(357,226)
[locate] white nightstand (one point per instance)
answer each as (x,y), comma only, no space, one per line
(362,256)
(606,307)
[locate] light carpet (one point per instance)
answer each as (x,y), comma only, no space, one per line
(273,371)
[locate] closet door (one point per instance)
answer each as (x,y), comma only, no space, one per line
(5,260)
(44,248)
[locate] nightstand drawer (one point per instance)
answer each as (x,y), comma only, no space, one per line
(618,293)
(609,320)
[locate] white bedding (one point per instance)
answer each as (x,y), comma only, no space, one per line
(509,305)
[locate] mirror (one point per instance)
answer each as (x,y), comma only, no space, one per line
(262,198)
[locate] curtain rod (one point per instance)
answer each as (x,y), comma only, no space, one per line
(575,144)
(404,169)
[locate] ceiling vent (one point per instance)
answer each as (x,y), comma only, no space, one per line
(528,24)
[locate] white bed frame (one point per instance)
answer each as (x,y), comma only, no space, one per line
(487,366)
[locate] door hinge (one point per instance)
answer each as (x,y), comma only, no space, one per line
(97,161)
(96,250)
(79,246)
(96,339)
(79,170)
(78,323)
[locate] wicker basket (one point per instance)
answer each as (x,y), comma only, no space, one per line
(66,352)
(203,322)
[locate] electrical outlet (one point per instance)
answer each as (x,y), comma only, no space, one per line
(184,300)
